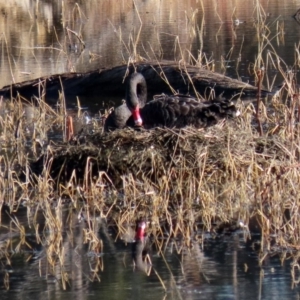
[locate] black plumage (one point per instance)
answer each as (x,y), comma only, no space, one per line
(166,111)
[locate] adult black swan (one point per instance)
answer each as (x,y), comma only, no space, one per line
(165,111)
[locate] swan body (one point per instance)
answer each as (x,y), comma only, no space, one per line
(165,111)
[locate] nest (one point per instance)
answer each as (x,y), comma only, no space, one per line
(216,175)
(219,151)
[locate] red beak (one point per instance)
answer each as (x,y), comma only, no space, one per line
(136,116)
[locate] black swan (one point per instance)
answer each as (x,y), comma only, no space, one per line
(165,111)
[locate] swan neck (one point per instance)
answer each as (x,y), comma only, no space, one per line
(136,95)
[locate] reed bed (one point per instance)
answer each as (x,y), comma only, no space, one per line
(225,174)
(185,182)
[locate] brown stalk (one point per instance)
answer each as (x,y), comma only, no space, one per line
(260,74)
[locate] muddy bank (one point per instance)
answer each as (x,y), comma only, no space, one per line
(109,82)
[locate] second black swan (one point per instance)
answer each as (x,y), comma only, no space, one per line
(165,111)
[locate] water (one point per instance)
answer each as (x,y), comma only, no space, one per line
(35,42)
(226,268)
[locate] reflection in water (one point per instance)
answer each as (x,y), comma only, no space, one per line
(64,263)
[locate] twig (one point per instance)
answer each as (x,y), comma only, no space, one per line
(78,37)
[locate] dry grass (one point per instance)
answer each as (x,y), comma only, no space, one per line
(223,174)
(226,173)
(184,181)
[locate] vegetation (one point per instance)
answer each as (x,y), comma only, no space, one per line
(242,173)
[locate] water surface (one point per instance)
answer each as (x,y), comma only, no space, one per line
(225,268)
(35,39)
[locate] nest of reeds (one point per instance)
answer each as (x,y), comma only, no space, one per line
(217,153)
